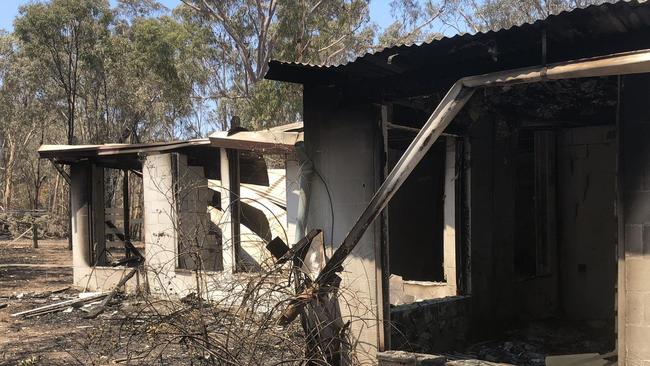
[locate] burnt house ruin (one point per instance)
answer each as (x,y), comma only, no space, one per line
(207,204)
(529,211)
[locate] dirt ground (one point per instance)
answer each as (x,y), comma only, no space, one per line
(26,277)
(30,278)
(133,330)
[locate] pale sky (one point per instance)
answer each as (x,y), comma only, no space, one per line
(379,11)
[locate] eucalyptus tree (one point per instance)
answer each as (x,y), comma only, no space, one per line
(61,36)
(470,16)
(248,34)
(26,115)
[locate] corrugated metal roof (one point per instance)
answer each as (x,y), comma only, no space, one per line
(276,139)
(85,151)
(584,32)
(121,156)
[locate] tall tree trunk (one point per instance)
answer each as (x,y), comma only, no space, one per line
(37,191)
(9,172)
(71,110)
(53,194)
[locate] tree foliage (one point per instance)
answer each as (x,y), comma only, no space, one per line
(483,15)
(83,71)
(79,71)
(250,33)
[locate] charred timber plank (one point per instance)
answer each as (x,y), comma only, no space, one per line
(59,305)
(100,308)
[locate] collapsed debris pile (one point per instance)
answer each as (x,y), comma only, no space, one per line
(530,346)
(137,329)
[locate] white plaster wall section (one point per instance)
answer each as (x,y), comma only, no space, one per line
(105,278)
(449,231)
(293,195)
(226,218)
(80,222)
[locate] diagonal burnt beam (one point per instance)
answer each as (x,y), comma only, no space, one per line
(60,170)
(450,105)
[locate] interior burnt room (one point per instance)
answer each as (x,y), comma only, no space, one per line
(508,251)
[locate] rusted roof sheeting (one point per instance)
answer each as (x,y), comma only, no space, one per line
(580,33)
(87,151)
(119,156)
(280,139)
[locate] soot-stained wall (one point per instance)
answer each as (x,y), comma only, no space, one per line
(634,329)
(343,143)
(501,296)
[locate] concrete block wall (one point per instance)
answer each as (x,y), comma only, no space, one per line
(431,326)
(350,168)
(165,227)
(635,197)
(159,221)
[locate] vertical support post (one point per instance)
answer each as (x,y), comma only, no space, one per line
(34,234)
(449,216)
(126,209)
(545,198)
(383,301)
(235,206)
(97,215)
(621,291)
(227,247)
(80,219)
(69,212)
(464,234)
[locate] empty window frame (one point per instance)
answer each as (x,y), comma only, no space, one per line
(116,215)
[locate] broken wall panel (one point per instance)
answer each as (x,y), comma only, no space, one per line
(198,246)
